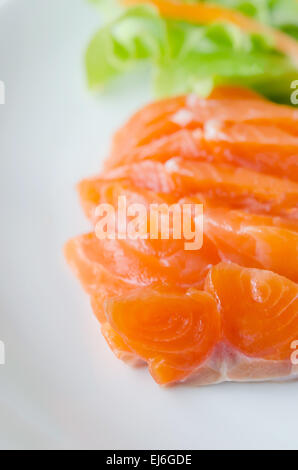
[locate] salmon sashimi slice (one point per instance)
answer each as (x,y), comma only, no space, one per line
(145,184)
(244,239)
(117,264)
(237,187)
(173,334)
(84,255)
(183,143)
(153,115)
(255,111)
(252,133)
(222,185)
(146,124)
(262,148)
(115,267)
(259,310)
(100,262)
(191,112)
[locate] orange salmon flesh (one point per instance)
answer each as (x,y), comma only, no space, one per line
(229,310)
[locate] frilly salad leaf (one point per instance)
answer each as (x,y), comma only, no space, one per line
(187,57)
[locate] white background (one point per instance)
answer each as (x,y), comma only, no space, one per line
(61,387)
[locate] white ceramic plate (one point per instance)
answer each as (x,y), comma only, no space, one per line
(61,387)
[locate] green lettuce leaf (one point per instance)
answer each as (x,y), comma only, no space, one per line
(186,57)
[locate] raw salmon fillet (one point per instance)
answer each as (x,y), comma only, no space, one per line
(229,310)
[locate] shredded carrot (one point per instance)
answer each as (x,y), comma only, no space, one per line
(206,14)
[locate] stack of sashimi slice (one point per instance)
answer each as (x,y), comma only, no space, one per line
(228,311)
